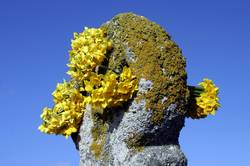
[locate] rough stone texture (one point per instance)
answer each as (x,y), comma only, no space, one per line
(145,130)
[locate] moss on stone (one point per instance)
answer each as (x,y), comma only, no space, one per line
(96,149)
(98,132)
(136,143)
(157,58)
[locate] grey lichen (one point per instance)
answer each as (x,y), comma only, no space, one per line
(130,56)
(144,86)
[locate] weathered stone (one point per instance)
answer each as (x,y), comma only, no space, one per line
(145,130)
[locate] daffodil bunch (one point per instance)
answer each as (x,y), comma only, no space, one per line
(204,100)
(88,51)
(87,86)
(66,115)
(113,90)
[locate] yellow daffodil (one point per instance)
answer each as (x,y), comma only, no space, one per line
(67,112)
(88,51)
(206,100)
(87,86)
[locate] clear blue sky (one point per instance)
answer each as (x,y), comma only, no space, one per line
(34,42)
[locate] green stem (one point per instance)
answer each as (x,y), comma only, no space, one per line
(195,91)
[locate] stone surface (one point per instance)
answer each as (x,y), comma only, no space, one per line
(145,130)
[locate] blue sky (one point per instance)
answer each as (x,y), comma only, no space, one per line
(34,42)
